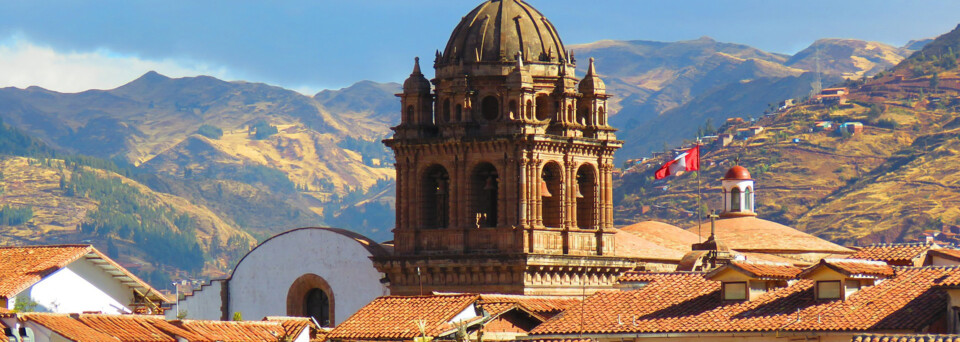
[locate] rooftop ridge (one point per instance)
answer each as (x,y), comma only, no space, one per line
(858,261)
(762,262)
(48,246)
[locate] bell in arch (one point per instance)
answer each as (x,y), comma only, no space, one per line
(491,184)
(544,191)
(579,194)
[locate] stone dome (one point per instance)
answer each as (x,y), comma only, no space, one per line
(497,30)
(737,173)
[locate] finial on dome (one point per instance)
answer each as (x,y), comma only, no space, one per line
(416,66)
(591,71)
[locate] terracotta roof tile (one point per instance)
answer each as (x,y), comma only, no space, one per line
(137,328)
(68,327)
(292,326)
(229,331)
(688,302)
(854,267)
(396,317)
(751,234)
(542,305)
(21,267)
(899,254)
(904,338)
(762,270)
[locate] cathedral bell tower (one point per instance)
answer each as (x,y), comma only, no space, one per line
(504,167)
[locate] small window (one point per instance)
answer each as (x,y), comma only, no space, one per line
(734,290)
(828,289)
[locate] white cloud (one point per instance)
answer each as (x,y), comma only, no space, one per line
(24,63)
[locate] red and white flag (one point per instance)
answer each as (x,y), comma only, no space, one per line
(688,161)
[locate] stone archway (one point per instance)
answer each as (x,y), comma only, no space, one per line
(304,292)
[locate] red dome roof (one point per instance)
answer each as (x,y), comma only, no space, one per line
(737,173)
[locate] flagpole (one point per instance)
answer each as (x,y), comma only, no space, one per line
(699,205)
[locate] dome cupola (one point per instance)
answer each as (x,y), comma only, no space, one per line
(416,83)
(499,31)
(738,193)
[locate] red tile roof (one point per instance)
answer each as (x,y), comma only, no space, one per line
(137,328)
(543,306)
(228,331)
(21,267)
(396,317)
(761,270)
(687,302)
(751,234)
(854,267)
(293,326)
(904,338)
(901,254)
(68,327)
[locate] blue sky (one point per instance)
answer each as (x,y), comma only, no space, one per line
(308,45)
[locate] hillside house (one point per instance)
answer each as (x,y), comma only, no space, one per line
(724,139)
(823,126)
(785,104)
(832,96)
(73,279)
(852,127)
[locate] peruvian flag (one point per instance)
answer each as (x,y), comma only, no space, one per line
(688,161)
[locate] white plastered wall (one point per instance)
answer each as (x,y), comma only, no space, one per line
(79,287)
(202,304)
(259,284)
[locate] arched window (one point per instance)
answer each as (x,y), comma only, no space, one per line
(529,111)
(748,199)
(435,198)
(485,184)
(602,116)
(570,113)
(311,296)
(490,108)
(586,197)
(544,112)
(550,179)
(582,116)
(410,113)
(735,199)
(317,305)
(514,109)
(446,110)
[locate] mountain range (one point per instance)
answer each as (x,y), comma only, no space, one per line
(216,166)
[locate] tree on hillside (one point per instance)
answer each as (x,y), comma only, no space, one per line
(935,81)
(210,131)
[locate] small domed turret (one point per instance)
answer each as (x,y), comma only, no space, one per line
(416,83)
(738,193)
(591,83)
